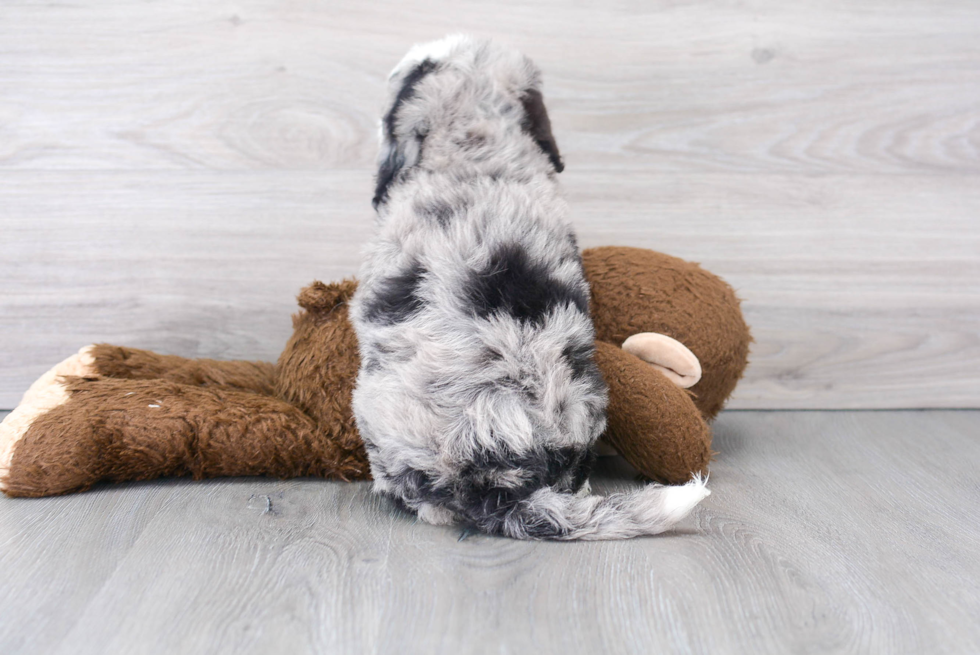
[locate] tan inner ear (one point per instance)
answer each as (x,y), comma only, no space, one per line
(670,356)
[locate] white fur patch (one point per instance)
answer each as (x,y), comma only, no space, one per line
(680,500)
(47,392)
(435,515)
(434,50)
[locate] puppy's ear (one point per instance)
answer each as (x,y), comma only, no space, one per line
(538,126)
(399,151)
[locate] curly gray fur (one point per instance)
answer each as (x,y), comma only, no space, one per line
(478,398)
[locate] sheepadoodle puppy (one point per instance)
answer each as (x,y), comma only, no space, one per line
(478,398)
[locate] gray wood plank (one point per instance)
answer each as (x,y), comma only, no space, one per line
(758,87)
(836,532)
(883,312)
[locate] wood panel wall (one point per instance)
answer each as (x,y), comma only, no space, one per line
(172,173)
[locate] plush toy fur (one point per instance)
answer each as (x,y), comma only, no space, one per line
(126,414)
(637,292)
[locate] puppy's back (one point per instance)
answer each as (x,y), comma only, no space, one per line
(478,398)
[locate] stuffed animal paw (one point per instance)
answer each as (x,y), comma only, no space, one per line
(671,343)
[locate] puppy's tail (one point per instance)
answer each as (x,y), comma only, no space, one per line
(548,514)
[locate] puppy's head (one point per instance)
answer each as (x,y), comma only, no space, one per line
(465,103)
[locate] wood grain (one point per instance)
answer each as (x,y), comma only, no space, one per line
(172,173)
(752,87)
(827,532)
(881,312)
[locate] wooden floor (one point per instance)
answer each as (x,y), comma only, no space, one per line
(843,532)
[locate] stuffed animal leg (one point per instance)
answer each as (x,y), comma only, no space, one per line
(672,344)
(75,429)
(113,414)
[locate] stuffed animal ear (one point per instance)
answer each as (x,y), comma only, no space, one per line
(670,356)
(320,297)
(399,151)
(538,126)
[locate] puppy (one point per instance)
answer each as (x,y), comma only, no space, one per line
(478,398)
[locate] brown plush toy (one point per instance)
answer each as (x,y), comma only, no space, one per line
(111,413)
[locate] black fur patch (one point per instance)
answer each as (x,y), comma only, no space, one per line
(479,495)
(537,124)
(441,211)
(372,364)
(580,359)
(487,503)
(397,298)
(515,385)
(389,168)
(395,162)
(582,469)
(511,283)
(490,355)
(406,92)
